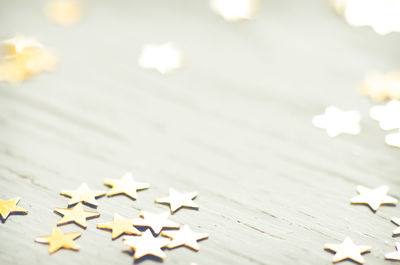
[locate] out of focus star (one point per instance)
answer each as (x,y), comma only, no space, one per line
(235,10)
(184,237)
(393,139)
(348,250)
(83,194)
(164,57)
(156,222)
(396,221)
(336,121)
(146,244)
(59,240)
(125,185)
(120,226)
(394,255)
(21,44)
(373,197)
(63,12)
(8,207)
(388,115)
(76,215)
(176,200)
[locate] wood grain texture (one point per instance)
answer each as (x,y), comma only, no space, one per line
(234,124)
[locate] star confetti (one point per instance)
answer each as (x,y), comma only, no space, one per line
(184,237)
(59,240)
(120,226)
(381,86)
(235,10)
(394,255)
(63,12)
(75,215)
(388,115)
(83,194)
(146,244)
(156,222)
(164,57)
(8,207)
(336,121)
(125,185)
(393,139)
(396,221)
(347,250)
(176,200)
(373,197)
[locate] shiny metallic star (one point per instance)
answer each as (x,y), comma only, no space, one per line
(59,240)
(146,244)
(373,197)
(83,194)
(120,226)
(125,185)
(164,58)
(75,215)
(388,115)
(156,222)
(336,121)
(184,237)
(10,206)
(347,250)
(394,255)
(176,200)
(396,221)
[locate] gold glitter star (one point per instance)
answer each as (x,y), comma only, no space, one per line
(10,206)
(347,250)
(373,197)
(83,194)
(59,240)
(394,255)
(176,200)
(146,244)
(395,220)
(184,237)
(156,222)
(126,185)
(120,226)
(75,215)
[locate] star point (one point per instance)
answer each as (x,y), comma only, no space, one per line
(8,207)
(373,197)
(396,221)
(146,244)
(125,185)
(156,222)
(58,240)
(184,237)
(394,255)
(120,226)
(83,194)
(75,215)
(347,250)
(177,200)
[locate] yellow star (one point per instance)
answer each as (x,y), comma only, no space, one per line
(126,185)
(59,240)
(373,197)
(156,222)
(75,215)
(83,194)
(120,226)
(395,220)
(146,244)
(176,200)
(10,206)
(184,237)
(347,250)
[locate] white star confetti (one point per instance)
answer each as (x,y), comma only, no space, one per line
(164,58)
(146,244)
(184,237)
(394,255)
(393,139)
(235,10)
(337,122)
(347,250)
(396,221)
(373,197)
(177,200)
(387,115)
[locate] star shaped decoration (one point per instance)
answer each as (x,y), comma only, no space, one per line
(156,222)
(83,194)
(396,221)
(8,207)
(184,237)
(125,185)
(347,250)
(235,10)
(21,44)
(393,139)
(146,244)
(388,115)
(336,121)
(120,226)
(58,240)
(379,86)
(176,200)
(394,255)
(164,57)
(373,197)
(75,215)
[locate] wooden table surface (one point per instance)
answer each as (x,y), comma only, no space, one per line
(234,124)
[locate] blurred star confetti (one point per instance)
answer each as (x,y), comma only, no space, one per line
(146,244)
(59,240)
(156,222)
(63,12)
(235,10)
(387,115)
(381,86)
(393,139)
(119,226)
(75,215)
(164,57)
(83,194)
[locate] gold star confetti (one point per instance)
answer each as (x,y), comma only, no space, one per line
(59,240)
(164,58)
(336,121)
(184,237)
(394,255)
(176,200)
(75,215)
(373,197)
(10,206)
(83,194)
(126,185)
(120,226)
(235,10)
(381,86)
(156,222)
(393,139)
(146,244)
(63,12)
(396,221)
(388,115)
(347,250)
